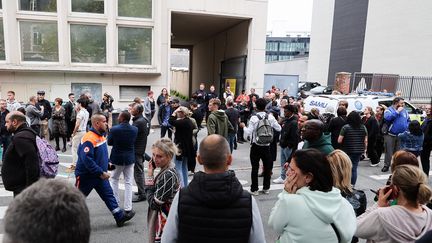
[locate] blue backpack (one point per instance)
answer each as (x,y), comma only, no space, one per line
(48,158)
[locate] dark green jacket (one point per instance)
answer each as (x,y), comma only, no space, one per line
(323,144)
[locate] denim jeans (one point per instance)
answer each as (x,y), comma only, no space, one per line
(285,154)
(181,167)
(231,140)
(355,159)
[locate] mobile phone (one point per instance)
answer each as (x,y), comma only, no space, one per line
(394,193)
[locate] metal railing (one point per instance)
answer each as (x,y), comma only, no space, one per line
(413,88)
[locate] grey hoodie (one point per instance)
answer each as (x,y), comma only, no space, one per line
(393,224)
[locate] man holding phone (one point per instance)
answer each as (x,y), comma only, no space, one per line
(397,120)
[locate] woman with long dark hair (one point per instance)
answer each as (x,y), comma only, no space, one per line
(310,208)
(353,138)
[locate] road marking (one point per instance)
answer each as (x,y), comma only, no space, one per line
(64,155)
(386,176)
(3,211)
(273,187)
(380,177)
(243,182)
(4,193)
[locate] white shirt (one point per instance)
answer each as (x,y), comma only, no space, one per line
(83,115)
(253,123)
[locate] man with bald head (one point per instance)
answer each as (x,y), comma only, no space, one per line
(214,196)
(91,169)
(21,163)
(313,135)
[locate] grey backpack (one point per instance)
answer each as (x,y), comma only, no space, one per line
(264,131)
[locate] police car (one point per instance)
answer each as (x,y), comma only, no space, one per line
(357,102)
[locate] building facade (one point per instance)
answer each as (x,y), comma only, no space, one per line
(386,36)
(123,46)
(286,48)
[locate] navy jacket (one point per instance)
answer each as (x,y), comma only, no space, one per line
(122,137)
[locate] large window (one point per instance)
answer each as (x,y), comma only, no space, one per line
(39,41)
(135,8)
(134,45)
(88,43)
(39,5)
(2,46)
(88,6)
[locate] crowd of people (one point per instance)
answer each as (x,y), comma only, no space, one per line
(319,157)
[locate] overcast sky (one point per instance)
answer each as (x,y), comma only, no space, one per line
(289,16)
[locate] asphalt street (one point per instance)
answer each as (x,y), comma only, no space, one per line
(103,225)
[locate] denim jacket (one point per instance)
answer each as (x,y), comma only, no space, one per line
(411,142)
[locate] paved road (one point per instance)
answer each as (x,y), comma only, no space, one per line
(103,225)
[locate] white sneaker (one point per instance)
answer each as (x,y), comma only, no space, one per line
(266,191)
(374,165)
(279,180)
(255,193)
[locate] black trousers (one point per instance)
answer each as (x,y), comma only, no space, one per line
(379,147)
(258,153)
(372,151)
(425,158)
(164,130)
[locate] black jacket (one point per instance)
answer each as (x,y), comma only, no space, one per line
(372,127)
(183,136)
(214,208)
(47,108)
(69,110)
(143,126)
(3,130)
(334,127)
(289,133)
(21,163)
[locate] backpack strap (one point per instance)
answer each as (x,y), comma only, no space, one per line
(336,231)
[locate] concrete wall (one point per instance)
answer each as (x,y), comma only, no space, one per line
(321,33)
(180,81)
(398,38)
(208,54)
(255,10)
(297,67)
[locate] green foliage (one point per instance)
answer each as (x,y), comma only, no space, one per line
(135,8)
(178,95)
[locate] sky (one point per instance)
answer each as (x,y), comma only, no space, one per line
(289,16)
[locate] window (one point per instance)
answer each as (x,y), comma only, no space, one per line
(88,43)
(39,41)
(134,45)
(88,6)
(130,92)
(135,8)
(39,5)
(2,46)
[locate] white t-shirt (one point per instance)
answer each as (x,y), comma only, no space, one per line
(83,115)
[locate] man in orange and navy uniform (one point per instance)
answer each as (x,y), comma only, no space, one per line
(91,169)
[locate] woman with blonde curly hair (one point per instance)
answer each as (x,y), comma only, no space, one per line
(160,189)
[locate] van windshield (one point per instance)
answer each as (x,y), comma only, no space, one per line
(408,107)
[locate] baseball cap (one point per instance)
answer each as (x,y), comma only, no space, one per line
(41,92)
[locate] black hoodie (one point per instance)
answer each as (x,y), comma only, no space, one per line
(214,208)
(21,163)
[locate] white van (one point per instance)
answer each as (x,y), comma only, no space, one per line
(356,102)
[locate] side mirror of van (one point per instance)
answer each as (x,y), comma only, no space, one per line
(418,111)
